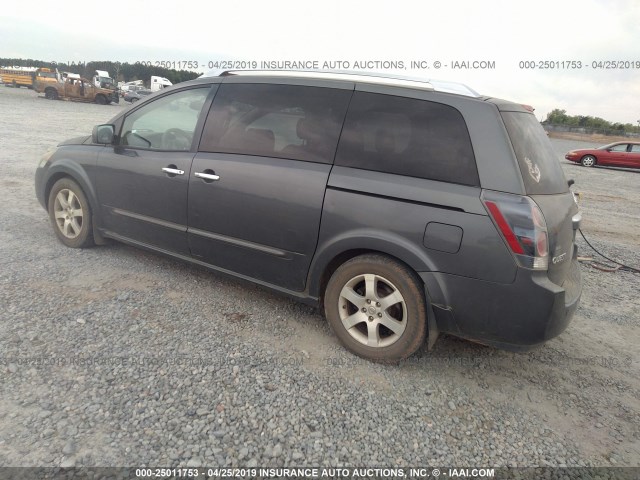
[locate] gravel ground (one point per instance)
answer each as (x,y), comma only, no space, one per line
(112,356)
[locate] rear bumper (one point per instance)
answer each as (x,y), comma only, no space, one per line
(516,316)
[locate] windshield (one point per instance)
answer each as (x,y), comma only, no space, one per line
(105,80)
(539,163)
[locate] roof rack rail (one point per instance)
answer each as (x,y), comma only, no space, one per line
(358,76)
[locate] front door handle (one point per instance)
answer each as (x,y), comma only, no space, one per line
(173,171)
(207,176)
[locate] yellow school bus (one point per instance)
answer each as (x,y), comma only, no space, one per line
(17,76)
(47,75)
(27,76)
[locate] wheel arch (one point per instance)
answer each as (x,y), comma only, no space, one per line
(76,174)
(331,255)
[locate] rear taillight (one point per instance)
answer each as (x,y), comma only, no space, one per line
(522,225)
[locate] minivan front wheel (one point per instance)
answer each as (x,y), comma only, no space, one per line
(70,214)
(376,308)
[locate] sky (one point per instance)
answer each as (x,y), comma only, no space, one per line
(510,41)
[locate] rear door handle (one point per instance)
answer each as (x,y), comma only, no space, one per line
(207,176)
(173,171)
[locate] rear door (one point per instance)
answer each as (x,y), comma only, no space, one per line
(258,181)
(143,181)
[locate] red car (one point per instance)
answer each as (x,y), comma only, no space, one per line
(619,154)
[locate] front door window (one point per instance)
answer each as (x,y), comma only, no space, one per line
(166,124)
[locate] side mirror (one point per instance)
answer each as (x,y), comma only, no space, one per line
(103,134)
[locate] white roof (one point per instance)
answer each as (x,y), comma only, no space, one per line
(23,69)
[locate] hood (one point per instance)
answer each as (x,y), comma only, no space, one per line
(75,140)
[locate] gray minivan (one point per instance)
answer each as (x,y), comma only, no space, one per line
(400,208)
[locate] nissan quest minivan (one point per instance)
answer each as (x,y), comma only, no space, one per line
(401,208)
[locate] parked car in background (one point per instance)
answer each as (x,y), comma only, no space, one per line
(618,154)
(130,87)
(401,209)
(135,95)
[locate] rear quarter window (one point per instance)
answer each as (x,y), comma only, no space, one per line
(407,136)
(538,162)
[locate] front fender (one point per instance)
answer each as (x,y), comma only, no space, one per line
(78,163)
(78,174)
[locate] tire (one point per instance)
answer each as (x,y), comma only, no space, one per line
(101,100)
(588,161)
(51,94)
(15,85)
(134,100)
(367,295)
(70,214)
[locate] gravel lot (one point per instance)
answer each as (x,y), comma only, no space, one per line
(116,357)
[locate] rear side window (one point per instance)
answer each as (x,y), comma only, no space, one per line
(407,136)
(287,121)
(539,164)
(619,148)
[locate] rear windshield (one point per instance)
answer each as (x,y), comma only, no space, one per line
(539,164)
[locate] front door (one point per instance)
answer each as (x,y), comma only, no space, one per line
(618,155)
(143,181)
(633,159)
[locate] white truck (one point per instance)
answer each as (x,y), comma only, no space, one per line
(158,83)
(102,80)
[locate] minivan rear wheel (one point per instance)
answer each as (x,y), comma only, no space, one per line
(376,308)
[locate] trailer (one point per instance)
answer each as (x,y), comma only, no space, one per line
(158,83)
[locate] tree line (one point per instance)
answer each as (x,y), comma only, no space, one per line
(560,117)
(119,71)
